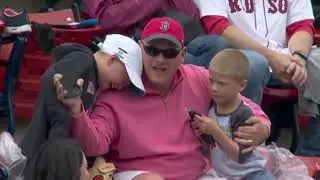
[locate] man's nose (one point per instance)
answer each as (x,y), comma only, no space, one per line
(160,58)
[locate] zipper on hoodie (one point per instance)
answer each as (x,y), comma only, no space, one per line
(165,100)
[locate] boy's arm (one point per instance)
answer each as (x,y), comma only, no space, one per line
(210,126)
(227,144)
(238,119)
(58,118)
(57,114)
(95,131)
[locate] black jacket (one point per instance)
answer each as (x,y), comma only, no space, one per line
(51,119)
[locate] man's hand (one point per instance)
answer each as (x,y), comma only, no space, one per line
(289,69)
(252,134)
(74,104)
(205,125)
(280,63)
(297,70)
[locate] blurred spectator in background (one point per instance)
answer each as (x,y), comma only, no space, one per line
(128,16)
(59,159)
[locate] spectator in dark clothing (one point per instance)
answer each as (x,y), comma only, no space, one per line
(126,16)
(118,62)
(59,159)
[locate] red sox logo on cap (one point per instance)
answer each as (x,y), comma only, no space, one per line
(165,25)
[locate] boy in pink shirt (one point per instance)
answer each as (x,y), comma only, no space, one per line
(150,137)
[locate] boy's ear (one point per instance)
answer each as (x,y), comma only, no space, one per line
(183,53)
(243,85)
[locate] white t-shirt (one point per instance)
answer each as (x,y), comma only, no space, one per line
(265,21)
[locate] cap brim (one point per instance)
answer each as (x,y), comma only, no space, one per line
(166,37)
(136,81)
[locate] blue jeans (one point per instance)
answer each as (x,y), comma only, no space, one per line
(310,140)
(260,175)
(202,49)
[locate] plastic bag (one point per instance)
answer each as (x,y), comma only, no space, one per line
(212,175)
(283,164)
(11,159)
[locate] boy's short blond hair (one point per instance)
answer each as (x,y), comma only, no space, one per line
(231,62)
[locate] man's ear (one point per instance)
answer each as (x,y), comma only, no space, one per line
(243,85)
(110,59)
(183,53)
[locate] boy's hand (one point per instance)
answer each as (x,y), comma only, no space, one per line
(74,104)
(205,125)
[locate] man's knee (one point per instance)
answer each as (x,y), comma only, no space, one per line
(203,44)
(149,176)
(208,39)
(258,63)
(259,76)
(256,58)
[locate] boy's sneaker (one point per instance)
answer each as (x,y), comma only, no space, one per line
(16,23)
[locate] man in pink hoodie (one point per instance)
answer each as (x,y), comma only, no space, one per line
(150,137)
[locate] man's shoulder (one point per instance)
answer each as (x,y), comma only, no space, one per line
(195,75)
(190,70)
(115,96)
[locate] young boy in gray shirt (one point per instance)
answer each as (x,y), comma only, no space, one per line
(228,73)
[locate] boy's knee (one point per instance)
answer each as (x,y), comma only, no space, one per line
(149,176)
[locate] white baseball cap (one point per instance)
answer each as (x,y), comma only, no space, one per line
(128,52)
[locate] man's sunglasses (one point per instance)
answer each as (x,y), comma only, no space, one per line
(169,53)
